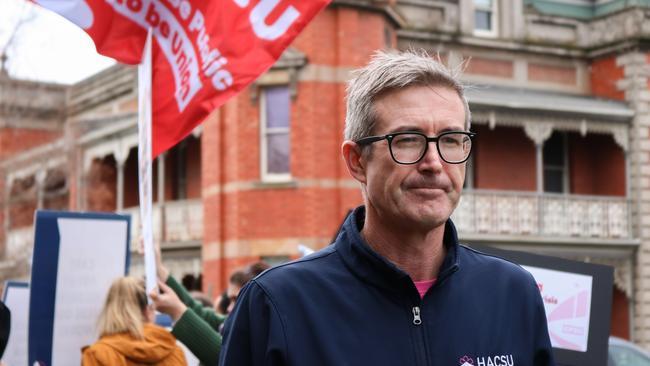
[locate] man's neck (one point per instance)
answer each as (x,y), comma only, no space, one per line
(418,253)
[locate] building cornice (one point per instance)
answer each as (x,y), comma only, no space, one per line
(100,88)
(386,7)
(487,43)
(30,104)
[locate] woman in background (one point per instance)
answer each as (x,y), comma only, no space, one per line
(127,335)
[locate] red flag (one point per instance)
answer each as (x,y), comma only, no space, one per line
(204,51)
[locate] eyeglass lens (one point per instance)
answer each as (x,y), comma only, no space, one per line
(409,148)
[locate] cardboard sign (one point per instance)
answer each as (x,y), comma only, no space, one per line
(76,258)
(16,298)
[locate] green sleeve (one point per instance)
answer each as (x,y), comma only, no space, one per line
(199,337)
(206,313)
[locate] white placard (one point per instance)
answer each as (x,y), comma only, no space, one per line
(91,255)
(17,300)
(567,301)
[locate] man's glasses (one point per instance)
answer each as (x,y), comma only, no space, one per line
(409,147)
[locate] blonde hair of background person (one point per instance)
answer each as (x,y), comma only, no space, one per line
(127,335)
(123,309)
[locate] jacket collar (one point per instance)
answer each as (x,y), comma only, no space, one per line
(371,267)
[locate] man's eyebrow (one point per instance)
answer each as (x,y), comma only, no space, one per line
(406,128)
(451,128)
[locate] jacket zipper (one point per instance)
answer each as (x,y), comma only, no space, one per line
(417,320)
(420,346)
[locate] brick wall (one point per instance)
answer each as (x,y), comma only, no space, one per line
(552,74)
(504,152)
(14,140)
(597,165)
(490,67)
(604,75)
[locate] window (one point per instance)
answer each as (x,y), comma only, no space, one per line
(274,120)
(556,178)
(485,18)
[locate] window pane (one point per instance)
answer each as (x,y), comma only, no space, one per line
(553,181)
(483,20)
(483,4)
(277,153)
(554,150)
(277,106)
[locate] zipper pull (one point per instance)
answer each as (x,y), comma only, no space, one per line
(416,315)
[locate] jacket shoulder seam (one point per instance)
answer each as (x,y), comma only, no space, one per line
(493,256)
(293,263)
(275,309)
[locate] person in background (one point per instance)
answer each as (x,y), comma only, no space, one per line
(197,326)
(127,335)
(202,298)
(221,303)
(396,287)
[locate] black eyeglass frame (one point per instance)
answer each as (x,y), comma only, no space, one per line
(372,139)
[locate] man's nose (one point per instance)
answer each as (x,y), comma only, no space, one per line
(431,161)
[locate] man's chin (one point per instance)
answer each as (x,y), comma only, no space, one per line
(429,219)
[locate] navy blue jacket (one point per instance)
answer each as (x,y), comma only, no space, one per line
(347,305)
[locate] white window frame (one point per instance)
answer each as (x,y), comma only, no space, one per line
(264,131)
(494,21)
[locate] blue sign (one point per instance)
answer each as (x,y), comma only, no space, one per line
(76,258)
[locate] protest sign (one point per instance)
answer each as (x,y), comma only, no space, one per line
(578,302)
(16,298)
(76,258)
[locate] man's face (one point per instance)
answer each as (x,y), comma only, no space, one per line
(422,195)
(233,293)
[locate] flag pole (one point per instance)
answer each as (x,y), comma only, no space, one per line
(145,163)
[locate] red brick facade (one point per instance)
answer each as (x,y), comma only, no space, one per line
(552,74)
(15,140)
(604,76)
(597,166)
(504,152)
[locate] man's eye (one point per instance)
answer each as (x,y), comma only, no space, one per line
(407,140)
(450,140)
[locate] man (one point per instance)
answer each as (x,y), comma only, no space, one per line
(396,288)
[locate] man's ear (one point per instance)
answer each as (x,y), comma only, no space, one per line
(354,160)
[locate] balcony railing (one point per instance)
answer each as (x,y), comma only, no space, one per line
(183,221)
(544,215)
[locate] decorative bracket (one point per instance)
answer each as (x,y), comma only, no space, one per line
(538,132)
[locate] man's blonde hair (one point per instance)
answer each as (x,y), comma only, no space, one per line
(124,308)
(393,70)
